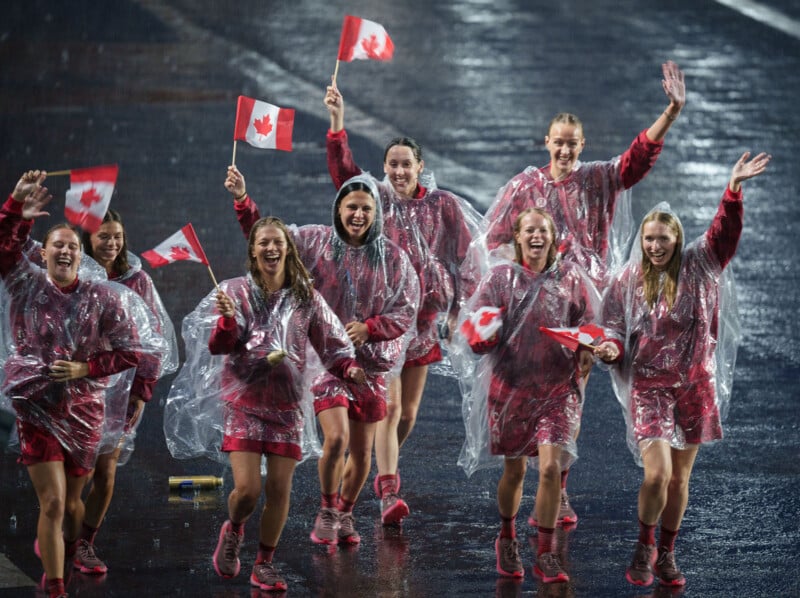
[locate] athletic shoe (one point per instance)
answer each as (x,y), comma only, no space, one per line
(548,568)
(508,562)
(393,509)
(326,527)
(666,569)
(347,533)
(226,556)
(376,484)
(640,572)
(566,514)
(267,577)
(87,561)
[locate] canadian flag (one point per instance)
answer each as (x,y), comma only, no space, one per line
(586,335)
(89,195)
(483,324)
(364,40)
(264,125)
(183,245)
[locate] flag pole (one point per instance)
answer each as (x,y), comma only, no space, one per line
(58,172)
(335,72)
(213,279)
(233,159)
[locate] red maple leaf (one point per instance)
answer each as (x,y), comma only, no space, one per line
(486,318)
(263,126)
(372,47)
(90,196)
(179,252)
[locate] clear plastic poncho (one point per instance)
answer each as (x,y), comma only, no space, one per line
(688,351)
(435,230)
(525,389)
(372,283)
(140,283)
(590,207)
(95,321)
(275,398)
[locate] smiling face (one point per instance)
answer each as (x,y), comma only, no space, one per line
(107,243)
(659,240)
(564,142)
(403,169)
(356,213)
(62,255)
(269,250)
(534,239)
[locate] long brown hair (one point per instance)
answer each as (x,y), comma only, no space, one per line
(651,276)
(120,265)
(553,251)
(298,278)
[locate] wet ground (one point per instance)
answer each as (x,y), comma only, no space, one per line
(152,85)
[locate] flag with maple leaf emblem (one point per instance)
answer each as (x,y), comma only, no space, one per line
(364,40)
(483,324)
(182,246)
(89,195)
(572,338)
(263,125)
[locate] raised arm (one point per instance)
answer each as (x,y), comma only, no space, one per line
(334,102)
(724,232)
(675,89)
(246,210)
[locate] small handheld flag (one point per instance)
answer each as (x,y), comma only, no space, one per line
(262,125)
(483,324)
(181,246)
(581,336)
(89,195)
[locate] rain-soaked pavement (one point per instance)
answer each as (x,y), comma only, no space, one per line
(151,85)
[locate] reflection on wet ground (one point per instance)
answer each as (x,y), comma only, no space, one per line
(150,84)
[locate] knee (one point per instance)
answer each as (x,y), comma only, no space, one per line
(246,495)
(277,491)
(335,443)
(656,480)
(549,473)
(53,506)
(103,480)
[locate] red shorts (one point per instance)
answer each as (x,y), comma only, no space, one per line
(686,414)
(283,449)
(368,403)
(274,431)
(520,422)
(432,356)
(40,446)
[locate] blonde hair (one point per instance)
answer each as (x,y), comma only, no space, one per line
(553,251)
(651,277)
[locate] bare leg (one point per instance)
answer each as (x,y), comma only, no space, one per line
(678,490)
(336,437)
(657,473)
(548,495)
(102,488)
(356,469)
(413,385)
(50,483)
(278,490)
(387,448)
(246,468)
(509,488)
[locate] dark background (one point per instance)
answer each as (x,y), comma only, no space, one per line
(152,85)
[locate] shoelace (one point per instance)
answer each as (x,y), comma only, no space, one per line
(232,546)
(511,551)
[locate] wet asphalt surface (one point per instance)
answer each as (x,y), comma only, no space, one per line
(152,85)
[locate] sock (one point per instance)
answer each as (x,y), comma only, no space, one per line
(237,527)
(387,483)
(545,539)
(508,527)
(667,539)
(265,553)
(647,534)
(328,501)
(345,506)
(55,587)
(564,475)
(88,533)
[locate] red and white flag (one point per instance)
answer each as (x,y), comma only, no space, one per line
(483,324)
(264,125)
(89,195)
(364,40)
(586,335)
(183,245)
